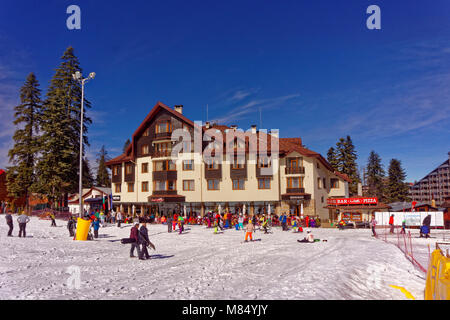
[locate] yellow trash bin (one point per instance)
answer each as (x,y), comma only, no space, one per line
(82,229)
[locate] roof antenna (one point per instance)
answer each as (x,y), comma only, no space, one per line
(260,118)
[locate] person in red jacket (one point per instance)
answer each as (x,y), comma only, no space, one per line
(134,235)
(391,223)
(307,221)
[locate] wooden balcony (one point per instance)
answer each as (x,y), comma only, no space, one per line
(161,154)
(295,170)
(295,190)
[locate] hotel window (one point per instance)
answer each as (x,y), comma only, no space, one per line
(213,184)
(238,184)
(145,186)
(264,183)
(334,183)
(130,186)
(164,147)
(238,163)
(116,170)
(212,166)
(129,169)
(144,167)
(165,165)
(188,185)
(237,143)
(188,165)
(163,127)
(294,162)
(145,134)
(296,182)
(263,162)
(144,149)
(324,183)
(319,183)
(117,188)
(164,185)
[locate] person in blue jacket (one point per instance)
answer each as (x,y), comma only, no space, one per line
(283,221)
(96,225)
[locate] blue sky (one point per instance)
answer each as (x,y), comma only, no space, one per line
(312,67)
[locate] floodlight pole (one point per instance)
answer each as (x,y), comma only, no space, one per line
(78,77)
(80,194)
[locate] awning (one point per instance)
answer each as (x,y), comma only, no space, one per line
(166,198)
(296,196)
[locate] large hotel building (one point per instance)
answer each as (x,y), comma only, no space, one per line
(434,187)
(284,177)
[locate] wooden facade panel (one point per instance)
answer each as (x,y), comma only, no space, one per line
(116,178)
(213,173)
(164,175)
(131,176)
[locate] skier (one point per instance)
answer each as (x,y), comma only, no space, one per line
(265,223)
(9,222)
(52,216)
(249,231)
(283,222)
(119,218)
(23,219)
(403,227)
(144,241)
(373,224)
(96,225)
(175,221)
(294,224)
(134,234)
(241,221)
(102,218)
(309,237)
(169,224)
(307,221)
(70,226)
(391,223)
(181,224)
(425,228)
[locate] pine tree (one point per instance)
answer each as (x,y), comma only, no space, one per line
(397,189)
(21,176)
(125,146)
(332,158)
(103,179)
(346,162)
(88,179)
(375,176)
(58,168)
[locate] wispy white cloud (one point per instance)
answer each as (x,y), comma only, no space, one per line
(253,106)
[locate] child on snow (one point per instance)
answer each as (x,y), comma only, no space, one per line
(249,231)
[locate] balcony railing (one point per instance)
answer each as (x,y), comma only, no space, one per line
(163,153)
(163,135)
(295,170)
(295,190)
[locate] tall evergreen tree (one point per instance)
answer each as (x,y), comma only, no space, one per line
(21,176)
(58,168)
(346,162)
(332,158)
(397,189)
(103,179)
(375,176)
(88,179)
(125,146)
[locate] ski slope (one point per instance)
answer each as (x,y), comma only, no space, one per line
(201,265)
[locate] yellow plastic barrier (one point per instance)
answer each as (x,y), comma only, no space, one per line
(82,229)
(438,277)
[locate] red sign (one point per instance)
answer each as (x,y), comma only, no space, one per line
(346,201)
(157,200)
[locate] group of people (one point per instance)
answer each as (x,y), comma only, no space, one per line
(22,220)
(141,241)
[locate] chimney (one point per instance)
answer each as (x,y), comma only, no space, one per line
(274,133)
(253,128)
(207,124)
(178,108)
(234,127)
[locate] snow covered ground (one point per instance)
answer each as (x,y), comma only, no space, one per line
(201,265)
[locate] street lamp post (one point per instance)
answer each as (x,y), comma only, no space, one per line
(78,77)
